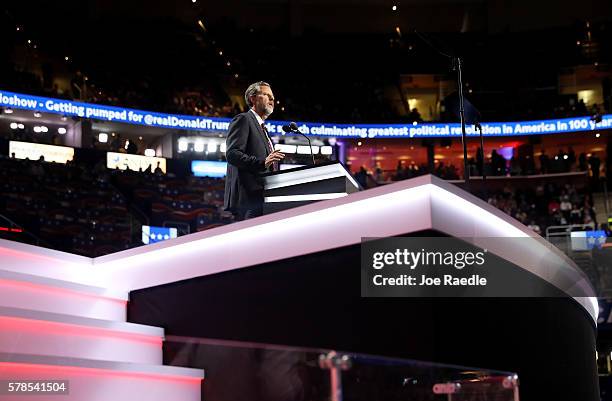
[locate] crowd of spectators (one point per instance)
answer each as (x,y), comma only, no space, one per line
(546,205)
(203,104)
(69,207)
(187,203)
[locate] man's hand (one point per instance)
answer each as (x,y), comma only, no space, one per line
(275,156)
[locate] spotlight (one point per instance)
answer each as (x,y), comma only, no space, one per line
(394,8)
(61,130)
(198,146)
(212,147)
(20,126)
(37,114)
(8,111)
(13,125)
(44,129)
(149,152)
(103,137)
(597,135)
(37,129)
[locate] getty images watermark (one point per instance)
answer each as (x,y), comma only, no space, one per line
(453,267)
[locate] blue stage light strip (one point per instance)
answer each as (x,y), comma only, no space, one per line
(216,124)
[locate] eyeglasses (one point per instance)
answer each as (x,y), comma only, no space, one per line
(270,97)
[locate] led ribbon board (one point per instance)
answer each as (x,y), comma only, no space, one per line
(216,124)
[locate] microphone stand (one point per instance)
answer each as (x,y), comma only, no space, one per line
(482,161)
(457,64)
(297,131)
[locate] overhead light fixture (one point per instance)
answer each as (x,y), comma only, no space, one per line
(20,126)
(183,145)
(149,152)
(212,147)
(36,129)
(394,8)
(198,146)
(305,150)
(44,129)
(326,150)
(223,147)
(8,111)
(103,137)
(287,149)
(37,114)
(14,126)
(61,130)
(64,118)
(597,135)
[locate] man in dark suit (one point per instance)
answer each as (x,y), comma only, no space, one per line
(249,153)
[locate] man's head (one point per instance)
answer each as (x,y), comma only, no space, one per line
(260,98)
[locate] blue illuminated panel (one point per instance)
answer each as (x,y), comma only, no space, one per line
(201,168)
(153,234)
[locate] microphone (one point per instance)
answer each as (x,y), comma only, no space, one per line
(293,128)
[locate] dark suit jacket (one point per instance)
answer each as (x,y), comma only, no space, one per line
(246,153)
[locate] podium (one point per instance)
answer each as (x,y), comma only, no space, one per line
(299,186)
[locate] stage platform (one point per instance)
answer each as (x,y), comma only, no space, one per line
(293,278)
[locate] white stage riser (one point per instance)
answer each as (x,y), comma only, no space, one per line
(59,300)
(98,385)
(52,339)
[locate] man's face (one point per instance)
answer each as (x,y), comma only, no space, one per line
(263,102)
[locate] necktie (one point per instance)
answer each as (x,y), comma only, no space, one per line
(268,141)
(270,147)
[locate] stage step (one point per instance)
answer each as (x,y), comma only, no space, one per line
(45,333)
(91,380)
(26,291)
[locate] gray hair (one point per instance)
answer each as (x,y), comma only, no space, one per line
(253,90)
